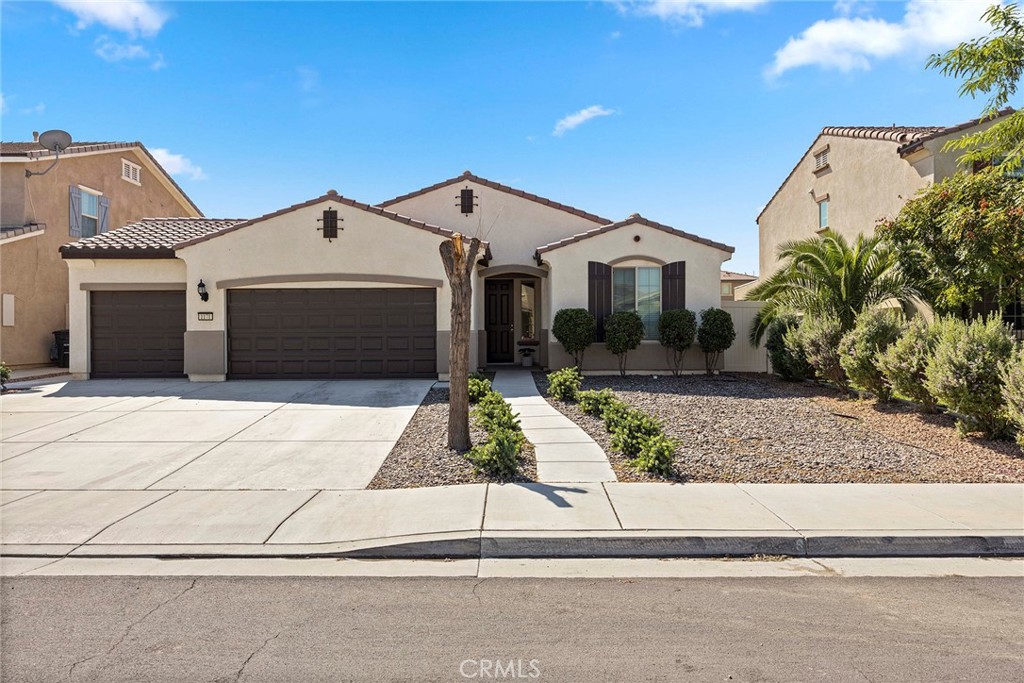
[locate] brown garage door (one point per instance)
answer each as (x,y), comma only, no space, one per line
(331,333)
(137,334)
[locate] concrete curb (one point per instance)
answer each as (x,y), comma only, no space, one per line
(565,545)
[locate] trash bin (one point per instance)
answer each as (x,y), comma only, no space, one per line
(62,343)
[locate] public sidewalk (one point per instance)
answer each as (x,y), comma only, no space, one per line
(565,453)
(523,520)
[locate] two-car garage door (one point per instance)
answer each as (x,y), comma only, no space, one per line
(273,333)
(332,333)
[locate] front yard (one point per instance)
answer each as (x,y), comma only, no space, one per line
(758,429)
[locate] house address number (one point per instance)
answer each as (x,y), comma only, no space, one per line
(206,315)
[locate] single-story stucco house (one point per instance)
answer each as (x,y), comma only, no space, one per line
(334,288)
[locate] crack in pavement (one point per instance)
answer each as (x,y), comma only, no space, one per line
(241,669)
(110,650)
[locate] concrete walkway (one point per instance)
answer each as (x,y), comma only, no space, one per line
(565,453)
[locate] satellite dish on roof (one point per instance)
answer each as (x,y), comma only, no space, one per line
(56,141)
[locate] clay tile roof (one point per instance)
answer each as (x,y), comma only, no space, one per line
(916,143)
(7,232)
(147,238)
(634,219)
(730,275)
(889,133)
(469,177)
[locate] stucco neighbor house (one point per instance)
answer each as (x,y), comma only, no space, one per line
(335,288)
(851,177)
(94,187)
(731,280)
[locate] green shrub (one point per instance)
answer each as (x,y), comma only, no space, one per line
(656,455)
(819,338)
(564,384)
(614,414)
(574,328)
(5,374)
(633,431)
(874,331)
(964,373)
(478,388)
(593,402)
(495,414)
(788,359)
(1012,374)
(715,334)
(677,328)
(903,363)
(623,332)
(497,457)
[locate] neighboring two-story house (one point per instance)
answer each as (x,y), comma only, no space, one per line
(93,188)
(850,177)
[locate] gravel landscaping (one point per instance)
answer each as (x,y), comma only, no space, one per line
(758,429)
(421,456)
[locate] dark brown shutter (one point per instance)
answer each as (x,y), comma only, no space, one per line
(673,285)
(599,294)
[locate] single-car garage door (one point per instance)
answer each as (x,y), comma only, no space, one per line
(137,334)
(332,333)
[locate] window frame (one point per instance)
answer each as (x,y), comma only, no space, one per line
(823,203)
(83,190)
(649,335)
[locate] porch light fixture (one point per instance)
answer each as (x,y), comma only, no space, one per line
(56,141)
(201,288)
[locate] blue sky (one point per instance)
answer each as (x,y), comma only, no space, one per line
(691,113)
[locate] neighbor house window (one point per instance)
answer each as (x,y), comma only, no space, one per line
(90,214)
(638,289)
(823,214)
(726,288)
(131,172)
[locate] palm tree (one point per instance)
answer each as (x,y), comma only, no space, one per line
(827,276)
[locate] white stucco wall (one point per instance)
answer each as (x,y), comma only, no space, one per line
(514,226)
(109,274)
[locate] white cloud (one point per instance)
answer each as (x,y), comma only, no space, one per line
(177,164)
(576,119)
(3,104)
(687,12)
(309,78)
(850,43)
(37,109)
(113,51)
(134,17)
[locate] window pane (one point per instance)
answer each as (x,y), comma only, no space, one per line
(88,226)
(527,322)
(89,204)
(623,289)
(823,214)
(648,300)
(726,289)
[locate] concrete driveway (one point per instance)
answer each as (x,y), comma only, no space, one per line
(160,435)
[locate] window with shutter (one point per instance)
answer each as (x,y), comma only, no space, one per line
(673,285)
(466,201)
(74,211)
(330,224)
(639,289)
(104,211)
(599,294)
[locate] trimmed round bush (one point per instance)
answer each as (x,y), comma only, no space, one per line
(1013,391)
(788,363)
(964,373)
(873,332)
(677,330)
(903,363)
(593,402)
(564,384)
(656,456)
(623,332)
(574,328)
(715,334)
(819,338)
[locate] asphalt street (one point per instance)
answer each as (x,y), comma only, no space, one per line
(286,629)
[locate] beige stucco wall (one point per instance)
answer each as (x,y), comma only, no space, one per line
(867,180)
(568,286)
(290,245)
(109,274)
(31,268)
(515,226)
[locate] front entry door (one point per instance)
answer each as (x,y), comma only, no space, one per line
(498,320)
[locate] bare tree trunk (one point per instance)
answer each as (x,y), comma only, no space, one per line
(459,258)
